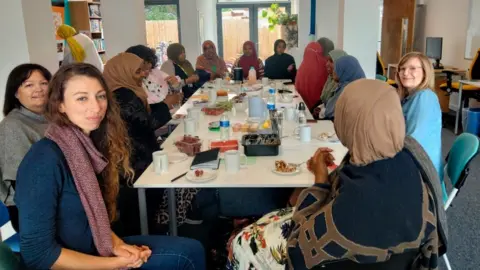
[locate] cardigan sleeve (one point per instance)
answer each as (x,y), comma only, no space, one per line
(38,189)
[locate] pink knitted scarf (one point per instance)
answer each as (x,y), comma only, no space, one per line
(85,162)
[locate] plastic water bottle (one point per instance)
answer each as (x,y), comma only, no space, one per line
(224,127)
(271,99)
(302,118)
(252,76)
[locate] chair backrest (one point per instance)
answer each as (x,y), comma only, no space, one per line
(8,260)
(474,70)
(380,69)
(464,149)
(4,215)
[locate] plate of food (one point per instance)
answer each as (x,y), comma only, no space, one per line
(328,137)
(284,168)
(201,175)
(177,157)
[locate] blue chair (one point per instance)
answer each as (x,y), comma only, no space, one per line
(464,150)
(8,234)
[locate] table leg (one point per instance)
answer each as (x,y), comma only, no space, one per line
(142,204)
(459,109)
(172,212)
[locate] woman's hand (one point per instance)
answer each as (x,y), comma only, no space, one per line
(318,164)
(173,99)
(290,68)
(172,80)
(192,79)
(131,256)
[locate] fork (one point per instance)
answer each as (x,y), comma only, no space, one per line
(296,164)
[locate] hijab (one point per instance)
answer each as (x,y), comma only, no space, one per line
(312,74)
(213,64)
(331,84)
(327,45)
(276,66)
(369,121)
(118,73)
(245,62)
(173,52)
(348,69)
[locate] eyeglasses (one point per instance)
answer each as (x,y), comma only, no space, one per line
(409,69)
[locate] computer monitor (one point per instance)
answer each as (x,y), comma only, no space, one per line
(434,46)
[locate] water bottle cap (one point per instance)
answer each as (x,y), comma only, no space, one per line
(301,106)
(271,91)
(252,68)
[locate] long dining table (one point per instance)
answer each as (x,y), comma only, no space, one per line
(257,174)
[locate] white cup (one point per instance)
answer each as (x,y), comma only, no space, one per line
(195,113)
(289,113)
(218,82)
(160,162)
(190,126)
(304,133)
(233,161)
(265,81)
(212,97)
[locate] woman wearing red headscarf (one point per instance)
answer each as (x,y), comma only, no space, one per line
(312,74)
(210,62)
(250,59)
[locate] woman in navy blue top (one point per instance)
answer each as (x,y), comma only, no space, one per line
(67,187)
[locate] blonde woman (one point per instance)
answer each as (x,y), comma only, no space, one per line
(416,78)
(80,49)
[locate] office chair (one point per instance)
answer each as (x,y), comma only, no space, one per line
(381,72)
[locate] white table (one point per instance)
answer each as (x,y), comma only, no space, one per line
(460,101)
(258,175)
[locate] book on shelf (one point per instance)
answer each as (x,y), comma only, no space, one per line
(94,11)
(95,26)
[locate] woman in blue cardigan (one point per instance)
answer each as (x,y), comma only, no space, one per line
(67,186)
(416,79)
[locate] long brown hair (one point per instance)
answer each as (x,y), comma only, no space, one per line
(111,137)
(428,80)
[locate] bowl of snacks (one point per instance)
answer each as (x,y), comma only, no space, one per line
(190,145)
(224,145)
(222,93)
(213,111)
(261,144)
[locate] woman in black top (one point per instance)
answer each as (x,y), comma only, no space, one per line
(281,65)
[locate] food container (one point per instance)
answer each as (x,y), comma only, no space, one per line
(190,145)
(213,111)
(261,144)
(224,145)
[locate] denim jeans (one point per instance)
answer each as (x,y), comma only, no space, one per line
(172,253)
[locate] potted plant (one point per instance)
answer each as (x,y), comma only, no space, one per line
(288,23)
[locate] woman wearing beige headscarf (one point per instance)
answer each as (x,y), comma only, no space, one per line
(376,207)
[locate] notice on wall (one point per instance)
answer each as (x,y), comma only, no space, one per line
(58,19)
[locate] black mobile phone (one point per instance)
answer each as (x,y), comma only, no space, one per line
(288,83)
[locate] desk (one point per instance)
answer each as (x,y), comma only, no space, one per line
(460,101)
(440,77)
(259,174)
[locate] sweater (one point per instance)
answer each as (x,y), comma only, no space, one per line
(51,213)
(18,131)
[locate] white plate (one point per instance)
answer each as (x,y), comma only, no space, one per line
(176,157)
(208,175)
(297,171)
(328,137)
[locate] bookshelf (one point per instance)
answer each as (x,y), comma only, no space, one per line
(86,18)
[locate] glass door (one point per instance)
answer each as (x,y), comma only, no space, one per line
(234,26)
(238,23)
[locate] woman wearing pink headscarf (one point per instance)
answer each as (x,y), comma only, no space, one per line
(250,59)
(210,62)
(312,74)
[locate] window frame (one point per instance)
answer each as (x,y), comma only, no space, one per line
(168,2)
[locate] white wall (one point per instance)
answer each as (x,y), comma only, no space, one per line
(327,20)
(25,38)
(360,32)
(123,25)
(189,29)
(440,23)
(40,33)
(209,10)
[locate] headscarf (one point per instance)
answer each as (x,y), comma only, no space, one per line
(67,32)
(245,62)
(118,73)
(214,64)
(369,121)
(327,45)
(275,45)
(312,74)
(331,84)
(173,52)
(348,69)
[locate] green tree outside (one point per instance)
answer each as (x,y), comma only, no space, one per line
(161,12)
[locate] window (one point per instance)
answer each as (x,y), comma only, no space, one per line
(162,25)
